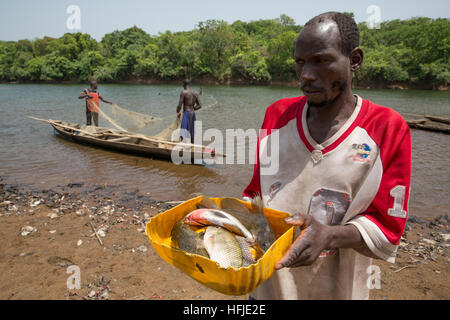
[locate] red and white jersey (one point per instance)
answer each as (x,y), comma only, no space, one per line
(360,176)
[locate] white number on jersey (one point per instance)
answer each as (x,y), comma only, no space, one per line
(398,193)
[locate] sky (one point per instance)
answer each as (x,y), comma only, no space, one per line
(25,19)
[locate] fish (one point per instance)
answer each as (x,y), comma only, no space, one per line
(223,247)
(207,203)
(255,221)
(232,235)
(216,217)
(250,253)
(187,239)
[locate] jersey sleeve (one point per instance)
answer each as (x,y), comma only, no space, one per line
(382,223)
(254,187)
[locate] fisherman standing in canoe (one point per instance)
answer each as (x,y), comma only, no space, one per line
(190,101)
(344,168)
(92,97)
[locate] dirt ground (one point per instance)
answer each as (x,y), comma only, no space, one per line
(126,266)
(34,263)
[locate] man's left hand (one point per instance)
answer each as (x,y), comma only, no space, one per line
(313,239)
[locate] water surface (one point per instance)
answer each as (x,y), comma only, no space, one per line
(30,152)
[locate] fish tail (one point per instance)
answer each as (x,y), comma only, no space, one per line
(257,204)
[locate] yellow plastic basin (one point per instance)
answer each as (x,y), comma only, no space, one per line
(228,281)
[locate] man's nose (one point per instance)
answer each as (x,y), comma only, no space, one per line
(307,73)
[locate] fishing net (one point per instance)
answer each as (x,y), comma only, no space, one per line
(113,116)
(168,133)
(127,120)
(135,122)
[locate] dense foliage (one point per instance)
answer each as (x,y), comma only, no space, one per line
(414,51)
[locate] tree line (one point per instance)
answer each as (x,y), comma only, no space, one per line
(412,52)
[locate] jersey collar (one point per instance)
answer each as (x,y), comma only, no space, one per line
(337,138)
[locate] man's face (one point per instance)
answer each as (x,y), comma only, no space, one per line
(323,70)
(94,86)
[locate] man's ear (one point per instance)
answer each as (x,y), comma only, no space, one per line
(356,59)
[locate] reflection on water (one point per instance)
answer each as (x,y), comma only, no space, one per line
(31,153)
(113,167)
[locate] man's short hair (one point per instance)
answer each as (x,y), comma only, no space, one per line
(186,82)
(348,29)
(93,82)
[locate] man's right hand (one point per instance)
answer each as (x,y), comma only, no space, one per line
(178,114)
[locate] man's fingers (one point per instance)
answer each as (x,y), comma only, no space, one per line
(306,258)
(294,252)
(298,219)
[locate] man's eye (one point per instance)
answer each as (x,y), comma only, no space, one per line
(300,62)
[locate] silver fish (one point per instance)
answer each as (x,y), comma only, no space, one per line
(215,217)
(223,247)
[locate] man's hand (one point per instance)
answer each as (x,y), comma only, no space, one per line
(313,239)
(178,114)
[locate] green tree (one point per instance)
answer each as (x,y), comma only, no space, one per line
(88,64)
(216,38)
(57,68)
(414,51)
(281,61)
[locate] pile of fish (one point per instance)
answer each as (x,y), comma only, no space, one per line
(231,234)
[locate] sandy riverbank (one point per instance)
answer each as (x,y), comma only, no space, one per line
(34,260)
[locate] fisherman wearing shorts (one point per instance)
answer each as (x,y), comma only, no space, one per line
(190,101)
(344,169)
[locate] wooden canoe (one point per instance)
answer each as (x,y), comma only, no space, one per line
(429,125)
(428,122)
(126,142)
(438,119)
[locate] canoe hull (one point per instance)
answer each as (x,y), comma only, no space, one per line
(137,147)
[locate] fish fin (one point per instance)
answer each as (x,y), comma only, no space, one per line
(265,233)
(234,205)
(257,251)
(200,206)
(247,219)
(258,204)
(208,203)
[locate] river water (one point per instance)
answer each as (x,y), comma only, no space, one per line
(31,153)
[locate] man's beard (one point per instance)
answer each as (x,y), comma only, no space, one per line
(337,84)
